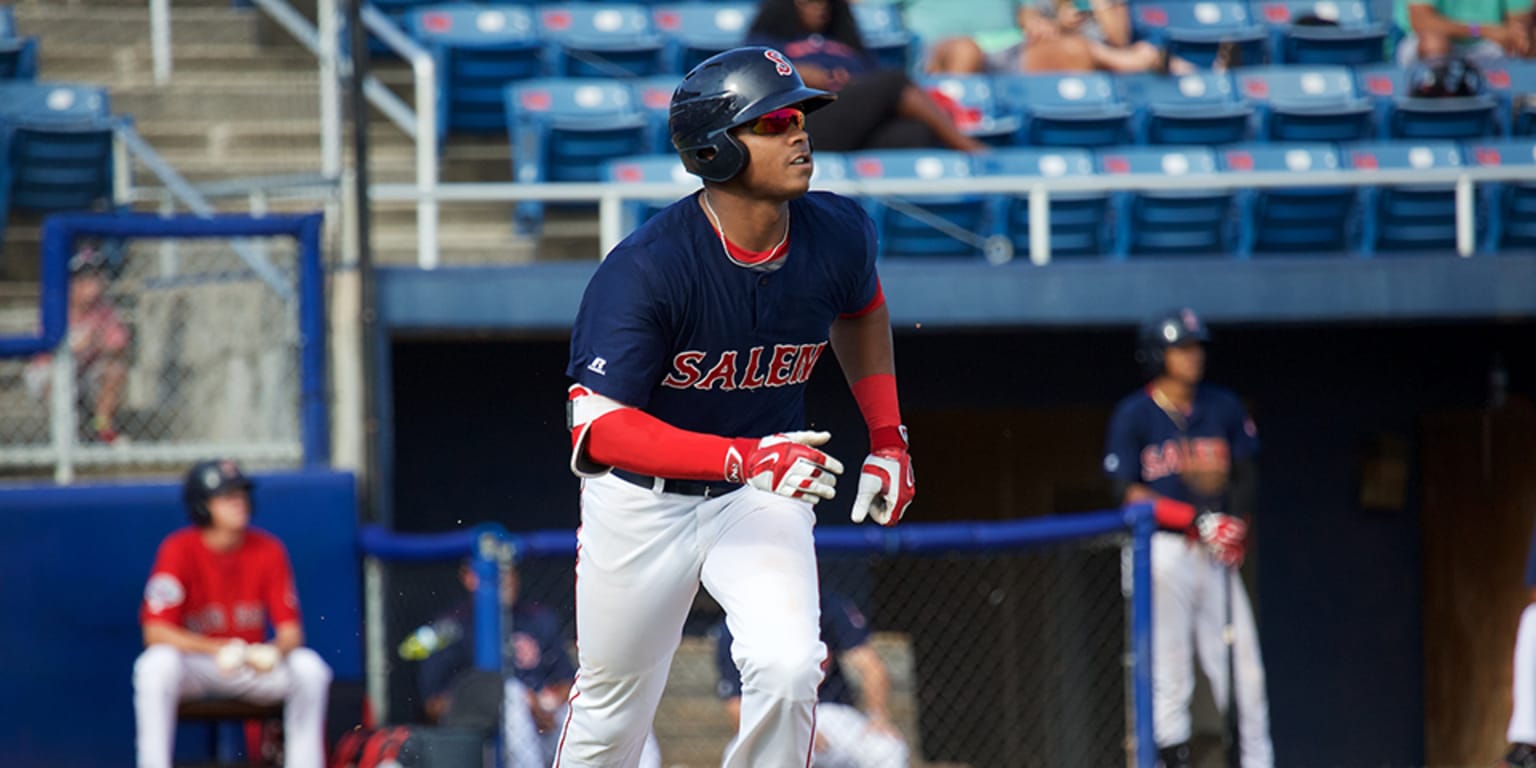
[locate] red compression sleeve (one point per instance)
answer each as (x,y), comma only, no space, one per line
(876,396)
(632,439)
(1173,515)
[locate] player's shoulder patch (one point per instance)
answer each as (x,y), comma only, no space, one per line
(163,591)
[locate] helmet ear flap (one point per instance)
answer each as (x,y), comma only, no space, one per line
(730,157)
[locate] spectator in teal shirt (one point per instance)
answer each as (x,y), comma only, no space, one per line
(1479,30)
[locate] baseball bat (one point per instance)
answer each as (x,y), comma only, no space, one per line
(1234,746)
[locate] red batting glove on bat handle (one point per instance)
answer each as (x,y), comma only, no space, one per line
(787,464)
(1224,535)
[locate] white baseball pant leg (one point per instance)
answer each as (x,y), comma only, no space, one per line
(760,565)
(163,676)
(1522,719)
(1252,700)
(642,557)
(1173,604)
(849,742)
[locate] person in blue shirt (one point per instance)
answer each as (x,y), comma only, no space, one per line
(846,734)
(690,356)
(1188,448)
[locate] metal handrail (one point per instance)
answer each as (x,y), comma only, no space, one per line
(425,131)
(610,196)
(183,192)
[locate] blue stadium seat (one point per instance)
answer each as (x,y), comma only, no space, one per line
(478,51)
(1405,117)
(1310,220)
(982,114)
(1512,82)
(1349,37)
(566,129)
(885,34)
(1195,30)
(1510,205)
(1200,108)
(647,168)
(902,235)
(602,40)
(18,58)
(1306,103)
(697,30)
(52,102)
(399,12)
(55,165)
(655,97)
(1414,218)
(1078,219)
(1066,110)
(1180,222)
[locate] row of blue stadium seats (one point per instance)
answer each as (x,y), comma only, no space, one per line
(1189,221)
(564,129)
(18,54)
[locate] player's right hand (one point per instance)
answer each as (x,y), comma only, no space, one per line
(788,464)
(230,657)
(1224,535)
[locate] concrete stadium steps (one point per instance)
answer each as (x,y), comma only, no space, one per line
(244,101)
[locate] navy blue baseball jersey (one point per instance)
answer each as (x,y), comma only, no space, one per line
(843,628)
(671,325)
(1530,563)
(534,651)
(1143,443)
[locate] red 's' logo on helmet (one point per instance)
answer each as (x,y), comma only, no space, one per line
(781,65)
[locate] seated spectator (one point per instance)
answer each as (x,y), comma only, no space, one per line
(537,682)
(875,108)
(1478,30)
(1065,36)
(215,587)
(963,37)
(845,736)
(99,341)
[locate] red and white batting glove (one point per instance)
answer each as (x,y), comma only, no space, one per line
(885,487)
(787,464)
(1224,536)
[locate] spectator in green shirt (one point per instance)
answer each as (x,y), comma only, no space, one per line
(1479,30)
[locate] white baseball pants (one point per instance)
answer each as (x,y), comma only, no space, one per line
(164,676)
(641,558)
(527,748)
(1188,602)
(1522,720)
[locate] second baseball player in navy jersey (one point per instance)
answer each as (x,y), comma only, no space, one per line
(1146,446)
(690,354)
(671,326)
(1521,733)
(1188,447)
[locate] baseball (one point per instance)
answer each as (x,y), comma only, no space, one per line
(230,656)
(262,657)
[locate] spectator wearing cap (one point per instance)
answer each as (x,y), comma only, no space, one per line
(98,339)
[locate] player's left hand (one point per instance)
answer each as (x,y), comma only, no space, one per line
(1224,535)
(885,487)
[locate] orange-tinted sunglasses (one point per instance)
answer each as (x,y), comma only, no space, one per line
(779,122)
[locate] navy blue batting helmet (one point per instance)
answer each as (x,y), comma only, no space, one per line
(1170,329)
(727,90)
(207,479)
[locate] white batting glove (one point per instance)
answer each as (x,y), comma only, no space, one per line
(788,465)
(230,657)
(886,487)
(262,657)
(1224,535)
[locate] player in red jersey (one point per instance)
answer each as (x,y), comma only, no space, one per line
(215,587)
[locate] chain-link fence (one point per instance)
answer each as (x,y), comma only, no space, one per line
(174,349)
(1016,656)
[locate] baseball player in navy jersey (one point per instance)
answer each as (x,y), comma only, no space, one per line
(1522,719)
(846,737)
(1189,448)
(690,354)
